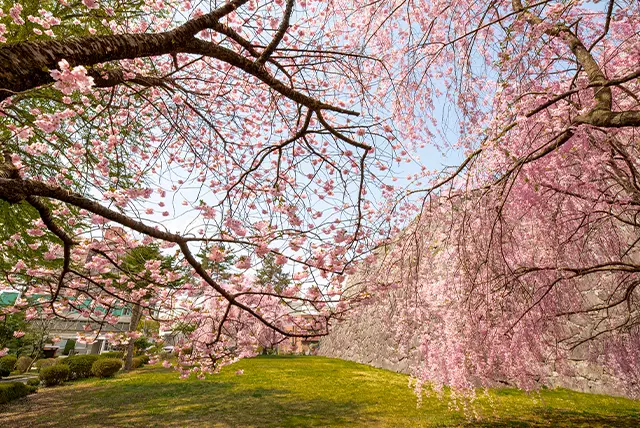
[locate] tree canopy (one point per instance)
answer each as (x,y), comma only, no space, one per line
(258,130)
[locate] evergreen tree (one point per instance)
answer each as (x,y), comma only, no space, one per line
(271,273)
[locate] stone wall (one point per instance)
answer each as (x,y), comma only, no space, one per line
(372,335)
(380,334)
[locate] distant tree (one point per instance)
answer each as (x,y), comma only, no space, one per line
(12,329)
(21,337)
(220,267)
(135,265)
(69,347)
(272,274)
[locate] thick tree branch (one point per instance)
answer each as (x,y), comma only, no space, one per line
(602,94)
(200,47)
(16,190)
(282,29)
(47,219)
(110,78)
(610,119)
(27,65)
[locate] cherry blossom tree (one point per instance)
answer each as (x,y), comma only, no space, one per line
(255,127)
(527,251)
(222,128)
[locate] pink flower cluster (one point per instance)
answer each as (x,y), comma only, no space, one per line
(70,79)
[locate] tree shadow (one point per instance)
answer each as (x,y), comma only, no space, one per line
(562,418)
(180,403)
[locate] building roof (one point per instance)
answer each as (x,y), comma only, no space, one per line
(8,298)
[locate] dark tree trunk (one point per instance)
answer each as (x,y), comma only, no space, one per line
(133,325)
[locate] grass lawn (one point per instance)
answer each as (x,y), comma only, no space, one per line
(291,392)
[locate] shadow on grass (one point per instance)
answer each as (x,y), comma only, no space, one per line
(562,418)
(179,403)
(293,392)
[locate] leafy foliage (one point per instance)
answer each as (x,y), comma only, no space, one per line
(106,367)
(69,346)
(79,365)
(272,275)
(45,362)
(112,354)
(54,375)
(8,362)
(13,390)
(138,362)
(23,363)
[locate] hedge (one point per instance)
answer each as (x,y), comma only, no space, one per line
(106,367)
(54,375)
(45,362)
(8,362)
(137,362)
(112,354)
(79,365)
(13,390)
(23,364)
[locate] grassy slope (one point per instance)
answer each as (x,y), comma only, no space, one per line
(294,391)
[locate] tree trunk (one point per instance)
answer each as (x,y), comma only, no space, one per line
(135,319)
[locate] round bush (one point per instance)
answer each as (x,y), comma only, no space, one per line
(23,364)
(4,372)
(145,359)
(45,362)
(8,362)
(33,382)
(80,365)
(54,375)
(13,390)
(137,362)
(106,367)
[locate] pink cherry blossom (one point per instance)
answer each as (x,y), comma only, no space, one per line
(91,4)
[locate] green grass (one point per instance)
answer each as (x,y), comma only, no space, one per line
(292,392)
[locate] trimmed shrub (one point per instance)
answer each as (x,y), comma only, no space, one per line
(8,362)
(145,359)
(69,346)
(23,364)
(54,375)
(45,362)
(13,390)
(106,367)
(137,362)
(80,365)
(112,354)
(33,382)
(4,372)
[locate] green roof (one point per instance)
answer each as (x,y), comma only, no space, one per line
(8,298)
